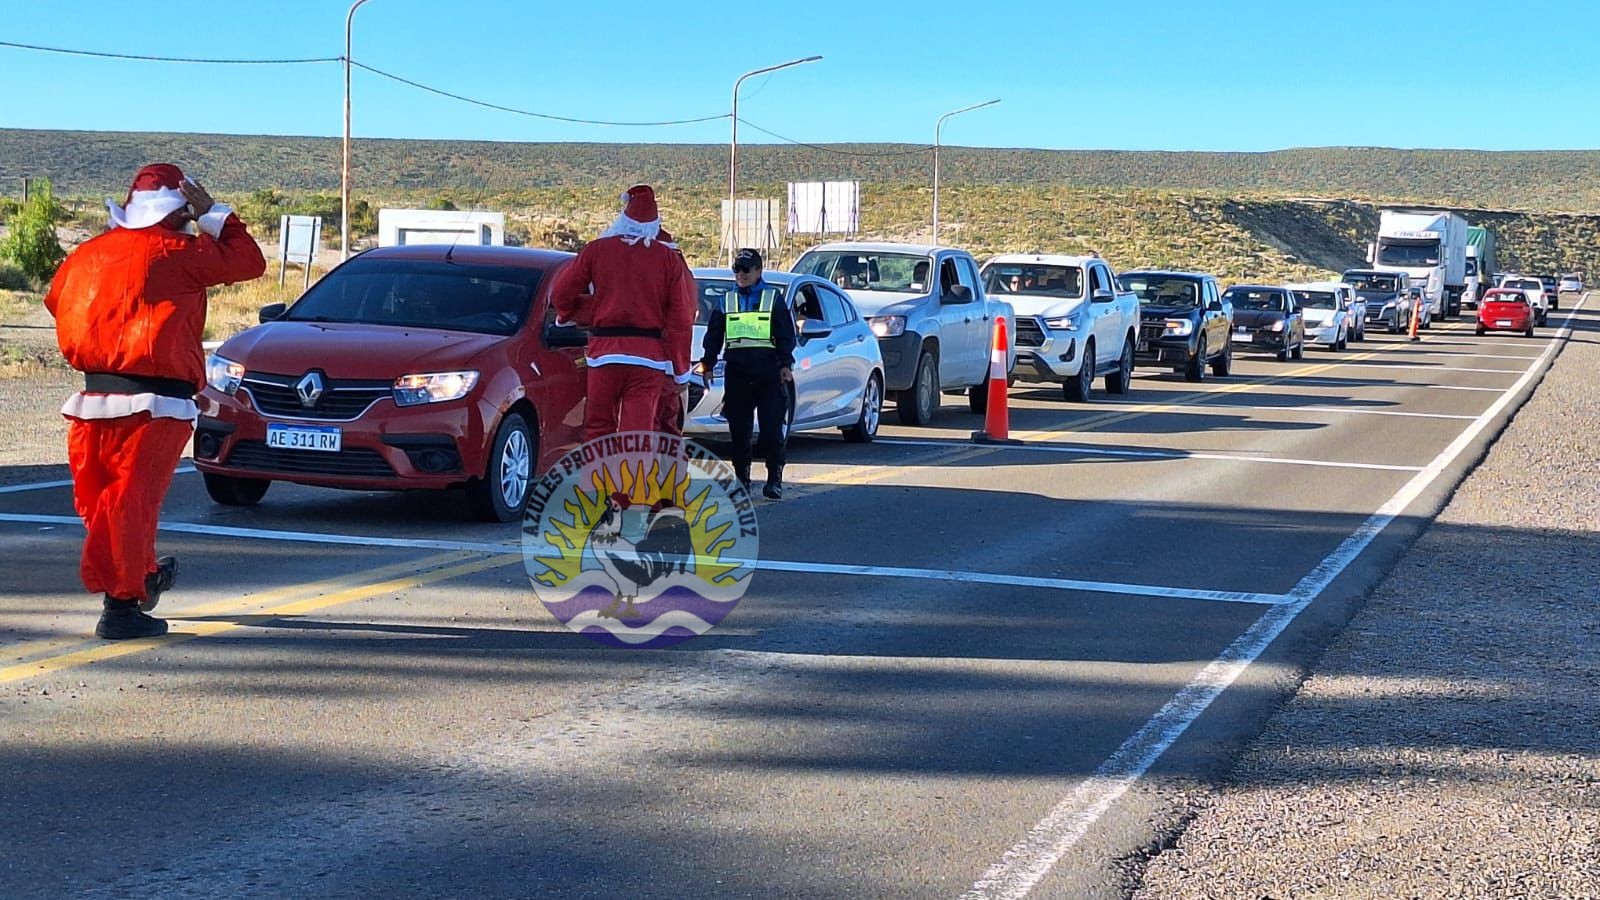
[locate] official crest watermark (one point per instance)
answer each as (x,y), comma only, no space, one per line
(640,540)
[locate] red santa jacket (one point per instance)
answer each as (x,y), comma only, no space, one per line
(637,286)
(133,301)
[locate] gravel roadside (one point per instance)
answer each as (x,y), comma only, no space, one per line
(1447,744)
(35,445)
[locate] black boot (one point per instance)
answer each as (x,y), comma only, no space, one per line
(774,488)
(122,619)
(159,581)
(742,472)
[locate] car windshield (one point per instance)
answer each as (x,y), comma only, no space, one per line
(1318,299)
(421,294)
(1373,282)
(1048,281)
(1245,298)
(1162,290)
(1548,281)
(856,270)
(1507,297)
(1409,255)
(711,292)
(1523,284)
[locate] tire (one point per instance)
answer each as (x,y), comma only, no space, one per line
(1529,332)
(1120,381)
(1196,370)
(918,405)
(1222,365)
(501,494)
(978,397)
(1480,331)
(866,427)
(230,491)
(1081,389)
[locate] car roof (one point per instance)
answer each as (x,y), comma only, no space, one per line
(1170,272)
(880,247)
(1257,287)
(771,277)
(518,257)
(1316,286)
(1049,259)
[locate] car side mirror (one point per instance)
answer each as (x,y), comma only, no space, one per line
(565,336)
(958,293)
(1102,296)
(1214,306)
(271,312)
(811,329)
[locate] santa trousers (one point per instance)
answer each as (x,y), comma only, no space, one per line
(621,398)
(121,469)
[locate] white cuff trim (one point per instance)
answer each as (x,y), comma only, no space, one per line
(116,406)
(211,223)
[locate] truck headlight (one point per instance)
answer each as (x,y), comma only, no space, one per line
(433,387)
(888,326)
(223,374)
(1277,326)
(1178,328)
(1062,323)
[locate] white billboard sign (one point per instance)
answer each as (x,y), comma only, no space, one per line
(407,227)
(298,240)
(825,207)
(751,223)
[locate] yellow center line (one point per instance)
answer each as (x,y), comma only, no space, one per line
(199,623)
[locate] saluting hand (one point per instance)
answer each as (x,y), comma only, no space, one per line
(200,202)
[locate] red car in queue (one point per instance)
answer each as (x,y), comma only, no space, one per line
(426,367)
(1505,309)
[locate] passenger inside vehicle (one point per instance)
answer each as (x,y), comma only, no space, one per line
(919,276)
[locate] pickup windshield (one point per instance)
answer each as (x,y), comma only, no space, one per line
(1244,298)
(1162,290)
(1387,284)
(1045,281)
(1410,256)
(1318,299)
(857,271)
(420,294)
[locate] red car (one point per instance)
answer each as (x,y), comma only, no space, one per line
(405,367)
(1504,309)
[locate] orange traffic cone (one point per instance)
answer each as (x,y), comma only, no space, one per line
(997,414)
(1416,318)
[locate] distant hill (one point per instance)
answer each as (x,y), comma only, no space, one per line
(99,163)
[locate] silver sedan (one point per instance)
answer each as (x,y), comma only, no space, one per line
(838,371)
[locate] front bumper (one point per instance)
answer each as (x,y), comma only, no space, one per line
(1260,340)
(1156,348)
(386,448)
(1046,355)
(900,355)
(1326,336)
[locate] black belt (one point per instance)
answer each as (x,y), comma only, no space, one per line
(621,331)
(110,383)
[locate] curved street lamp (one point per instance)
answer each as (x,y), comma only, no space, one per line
(937,129)
(733,145)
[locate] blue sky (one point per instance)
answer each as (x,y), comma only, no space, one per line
(1126,74)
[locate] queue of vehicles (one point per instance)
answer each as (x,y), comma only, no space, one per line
(428,367)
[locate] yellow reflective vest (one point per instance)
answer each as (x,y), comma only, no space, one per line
(749,330)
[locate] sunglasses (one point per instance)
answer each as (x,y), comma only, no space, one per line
(743,270)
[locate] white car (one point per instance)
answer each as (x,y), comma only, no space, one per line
(1533,289)
(1571,284)
(838,370)
(1074,322)
(1328,318)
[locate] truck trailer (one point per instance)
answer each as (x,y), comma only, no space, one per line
(1480,264)
(1430,246)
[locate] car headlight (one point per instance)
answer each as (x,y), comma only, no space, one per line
(433,387)
(888,326)
(1178,328)
(1062,323)
(1277,326)
(223,374)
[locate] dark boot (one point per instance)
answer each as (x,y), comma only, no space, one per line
(774,488)
(122,619)
(742,472)
(159,581)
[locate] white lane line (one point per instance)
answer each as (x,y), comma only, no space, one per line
(46,485)
(1359,383)
(1201,407)
(1380,364)
(1093,450)
(769,565)
(1027,863)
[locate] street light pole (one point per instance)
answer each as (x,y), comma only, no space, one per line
(344,172)
(937,129)
(733,144)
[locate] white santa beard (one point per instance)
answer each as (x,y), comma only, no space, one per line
(626,228)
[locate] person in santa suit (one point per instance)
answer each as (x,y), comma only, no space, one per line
(130,306)
(670,408)
(637,296)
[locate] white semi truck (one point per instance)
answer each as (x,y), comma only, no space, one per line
(1430,247)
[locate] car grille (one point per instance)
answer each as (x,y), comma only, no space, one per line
(359,462)
(1029,332)
(341,400)
(1152,331)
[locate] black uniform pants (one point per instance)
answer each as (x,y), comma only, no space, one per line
(744,398)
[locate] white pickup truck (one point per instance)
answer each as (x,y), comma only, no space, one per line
(934,322)
(1074,321)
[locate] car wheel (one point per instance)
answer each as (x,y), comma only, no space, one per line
(1196,370)
(866,428)
(501,495)
(1121,380)
(1081,388)
(1222,366)
(1529,332)
(1480,330)
(978,397)
(918,405)
(230,491)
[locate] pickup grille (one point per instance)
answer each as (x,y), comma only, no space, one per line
(358,462)
(1029,332)
(341,400)
(1152,331)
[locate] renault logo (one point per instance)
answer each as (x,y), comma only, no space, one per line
(309,389)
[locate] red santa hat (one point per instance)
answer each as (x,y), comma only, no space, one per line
(639,219)
(153,196)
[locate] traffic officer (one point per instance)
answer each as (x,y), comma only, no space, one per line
(758,331)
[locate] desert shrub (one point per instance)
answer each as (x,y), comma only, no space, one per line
(32,245)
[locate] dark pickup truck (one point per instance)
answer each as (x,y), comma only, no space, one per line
(1184,322)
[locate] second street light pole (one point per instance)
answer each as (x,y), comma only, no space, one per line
(733,146)
(937,128)
(344,170)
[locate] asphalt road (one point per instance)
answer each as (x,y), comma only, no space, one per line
(970,669)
